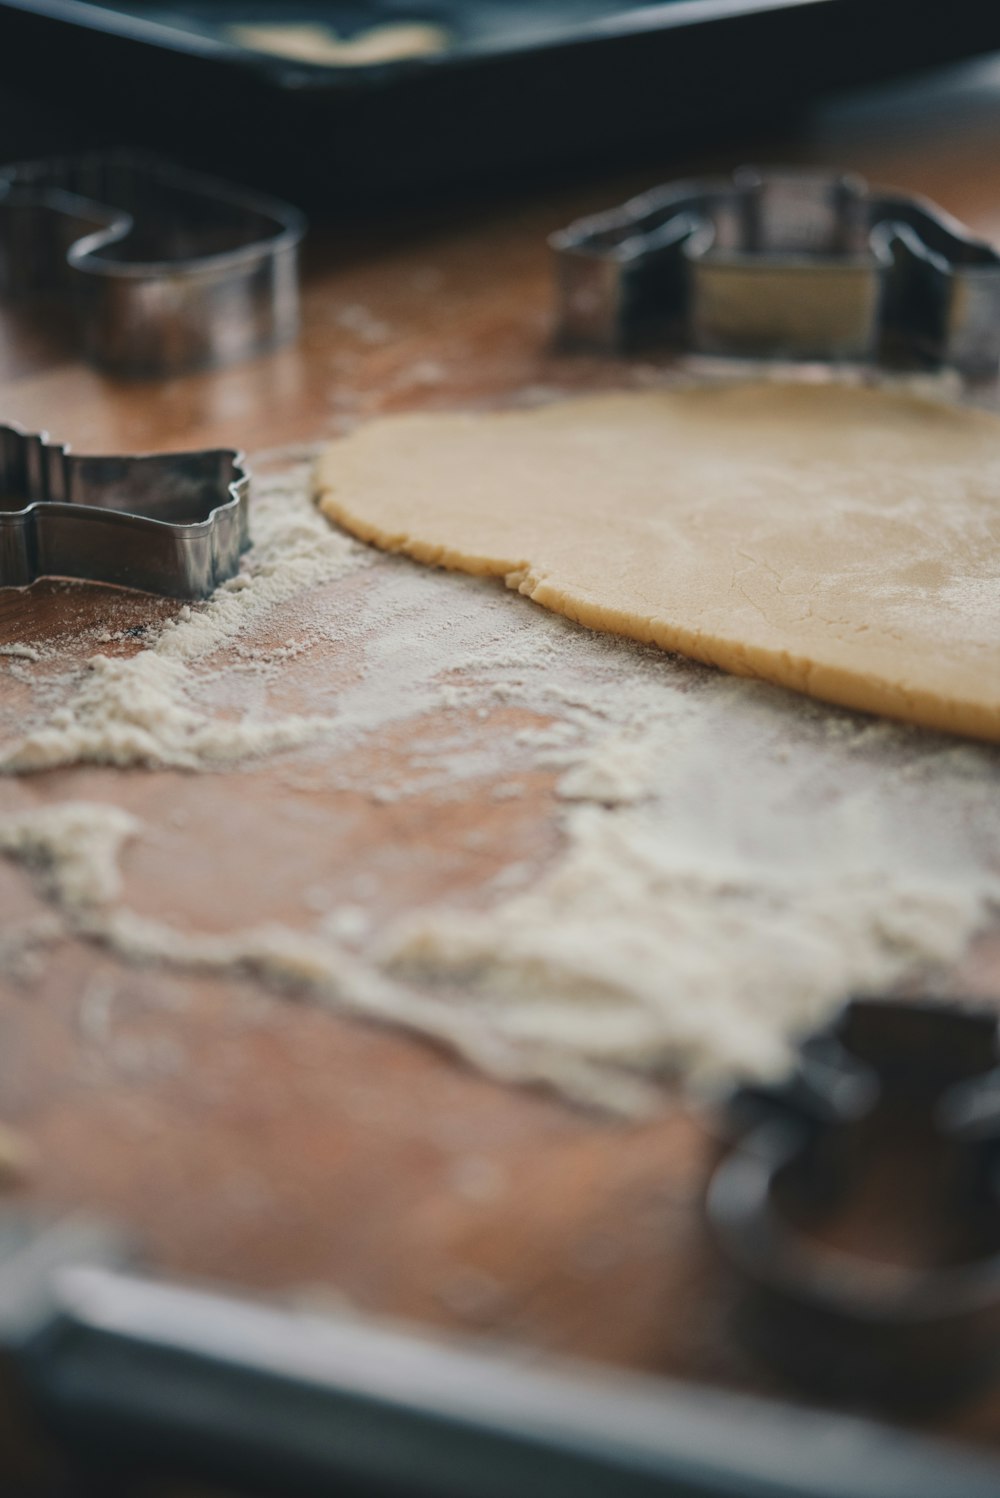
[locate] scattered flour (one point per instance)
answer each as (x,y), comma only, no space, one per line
(635,952)
(141,710)
(23,947)
(733,860)
(358,319)
(620,771)
(73,848)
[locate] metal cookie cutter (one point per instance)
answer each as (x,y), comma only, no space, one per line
(173,523)
(782,265)
(168,270)
(888,1132)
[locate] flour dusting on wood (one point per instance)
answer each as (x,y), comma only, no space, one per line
(145,709)
(731,861)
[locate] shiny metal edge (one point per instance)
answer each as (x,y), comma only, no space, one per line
(54,534)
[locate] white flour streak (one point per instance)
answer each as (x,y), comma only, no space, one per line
(73,848)
(733,860)
(142,710)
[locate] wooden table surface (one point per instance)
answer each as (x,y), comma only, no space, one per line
(295,1148)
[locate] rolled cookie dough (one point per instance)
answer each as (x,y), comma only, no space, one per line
(840,541)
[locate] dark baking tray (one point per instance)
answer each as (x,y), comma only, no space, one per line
(527,88)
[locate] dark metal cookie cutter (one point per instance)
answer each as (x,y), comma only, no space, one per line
(167,270)
(894,1110)
(172,523)
(781,265)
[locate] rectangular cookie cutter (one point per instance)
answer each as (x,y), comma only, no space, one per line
(166,270)
(781,265)
(173,523)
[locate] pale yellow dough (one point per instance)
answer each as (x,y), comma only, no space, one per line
(840,541)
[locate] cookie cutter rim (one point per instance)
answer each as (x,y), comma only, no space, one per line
(83,516)
(157,314)
(742,267)
(932,1333)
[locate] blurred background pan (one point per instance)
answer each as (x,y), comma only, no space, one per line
(376,100)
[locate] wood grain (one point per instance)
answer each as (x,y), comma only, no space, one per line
(256,1139)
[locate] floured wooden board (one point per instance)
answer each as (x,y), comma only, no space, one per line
(686,930)
(226,1104)
(839,540)
(407,796)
